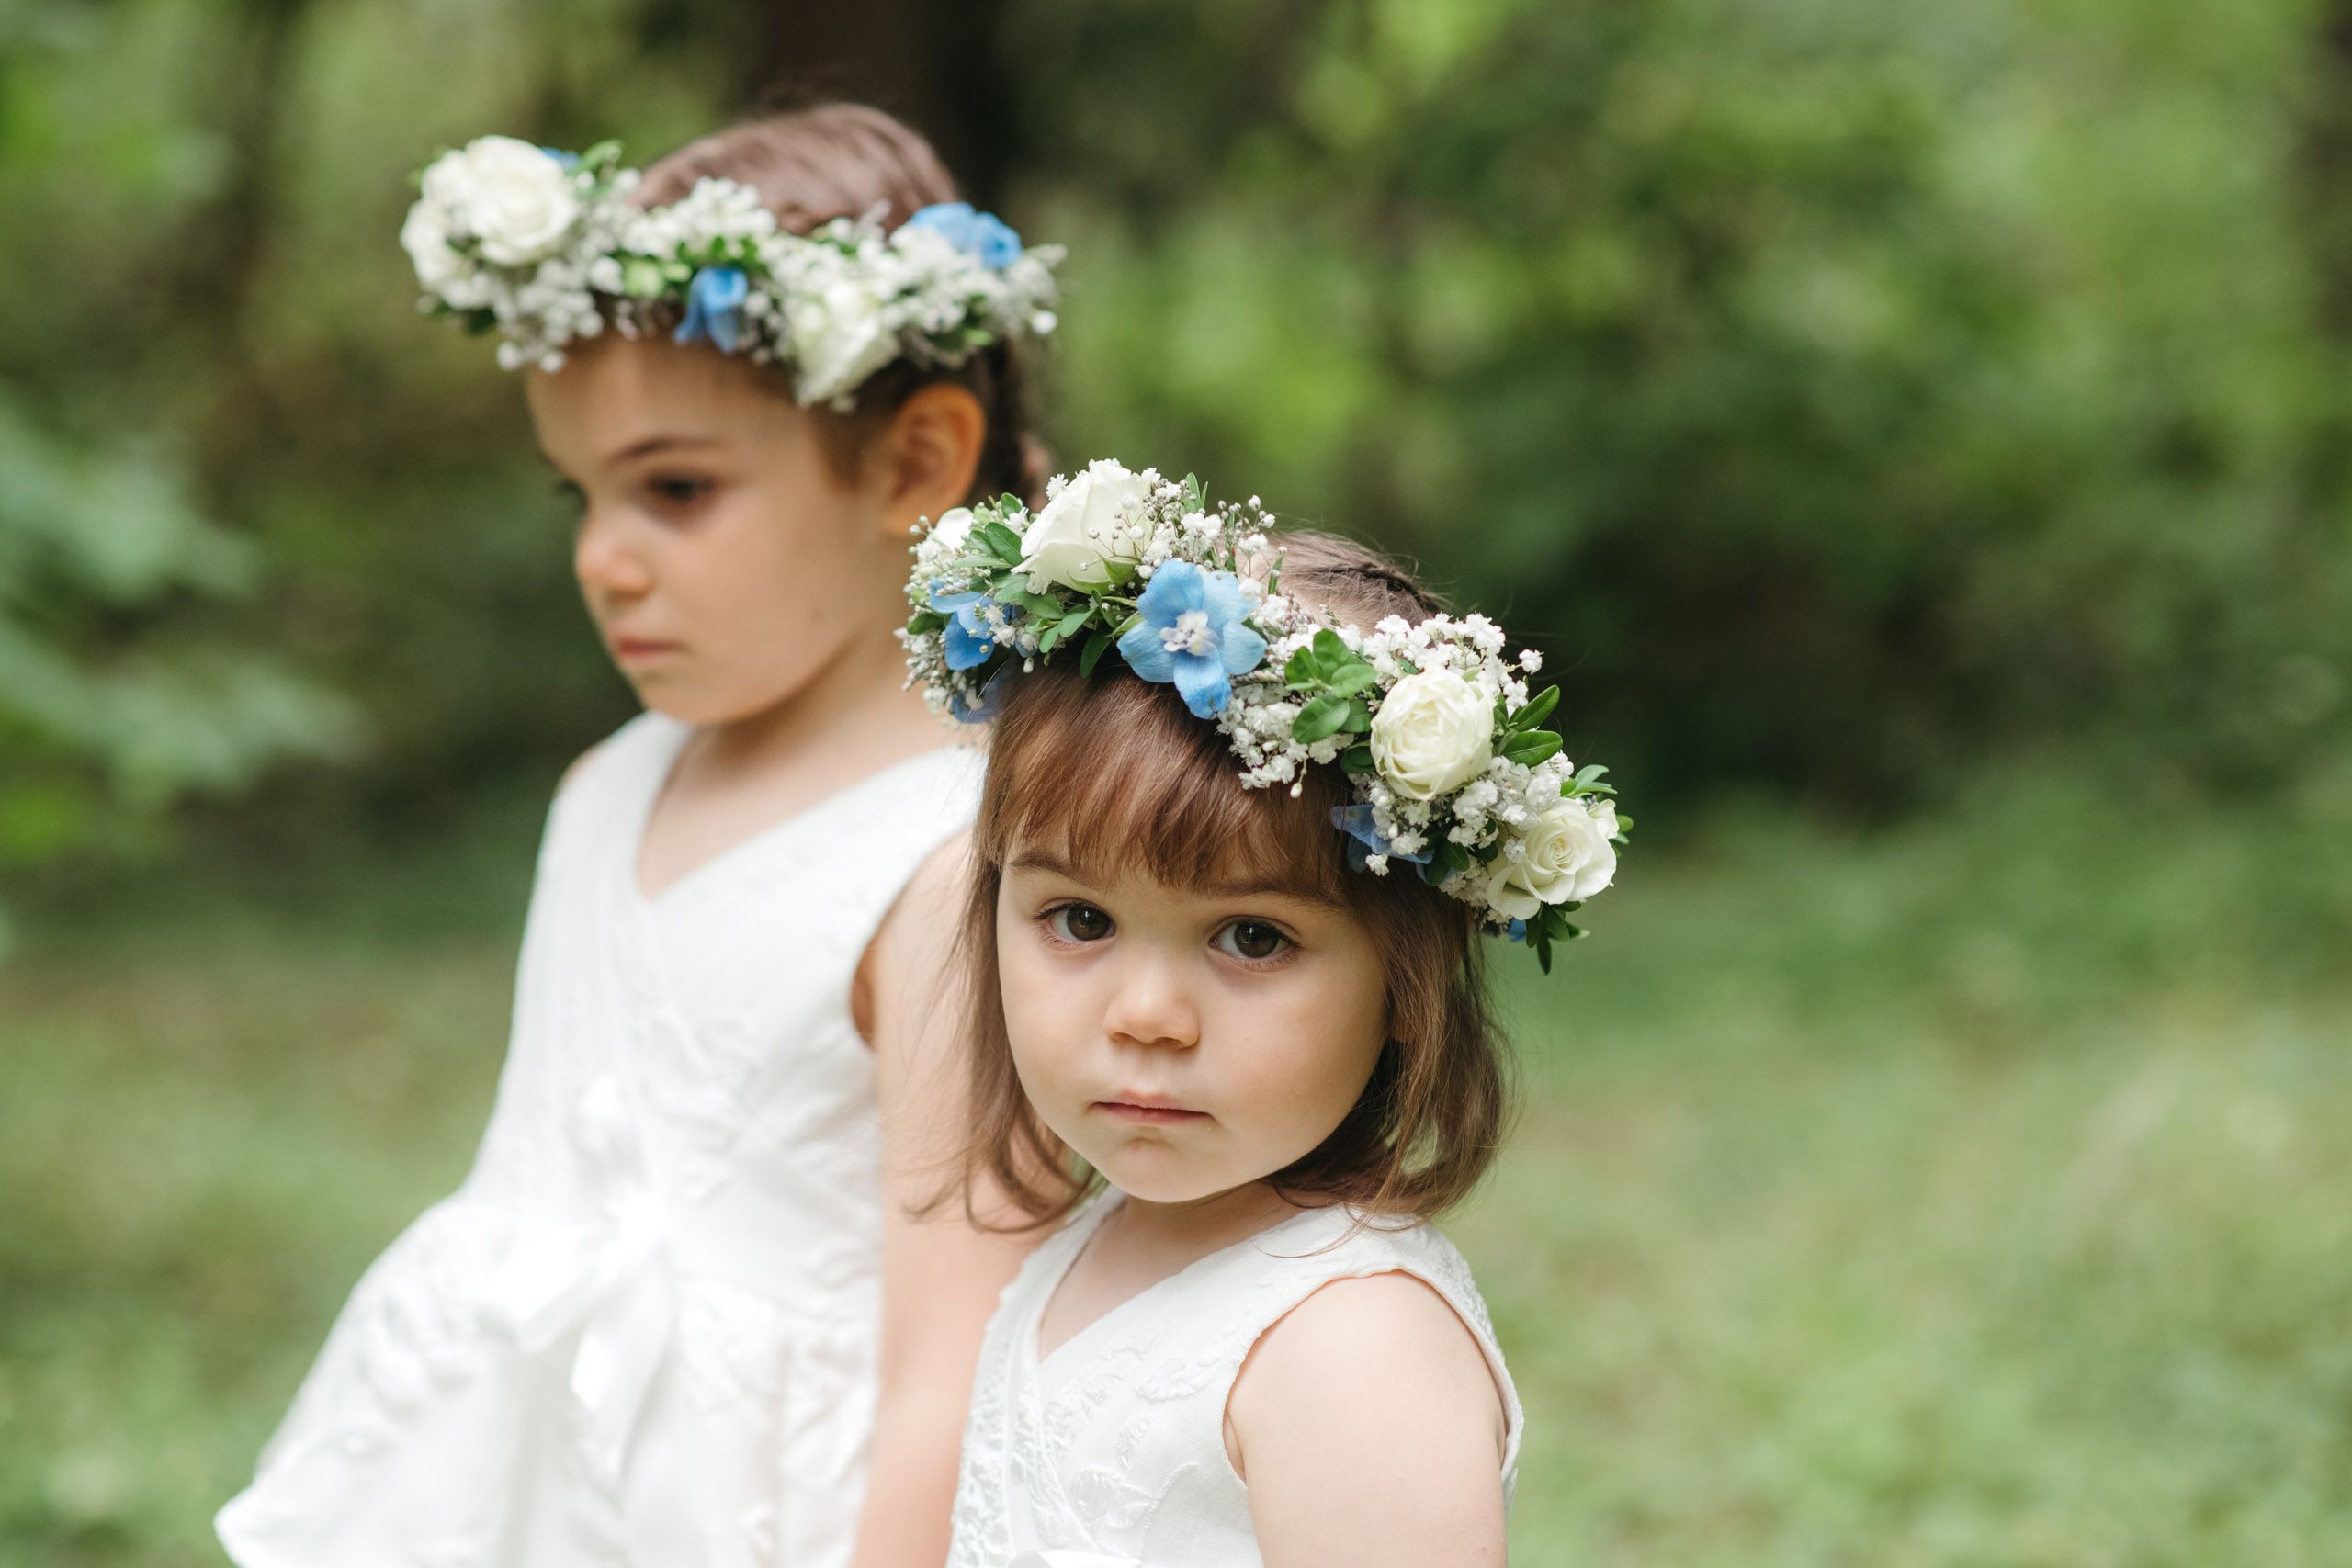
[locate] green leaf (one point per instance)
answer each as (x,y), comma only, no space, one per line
(1092,655)
(1352,678)
(1356,760)
(1044,606)
(925,621)
(1587,781)
(1300,673)
(1331,655)
(1001,541)
(1130,624)
(1358,717)
(1539,709)
(1319,719)
(1532,748)
(1064,628)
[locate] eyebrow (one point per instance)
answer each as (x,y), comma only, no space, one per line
(653,443)
(1219,887)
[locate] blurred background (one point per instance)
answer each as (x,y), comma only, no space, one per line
(1919,434)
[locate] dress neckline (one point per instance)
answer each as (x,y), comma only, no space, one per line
(664,762)
(1041,1361)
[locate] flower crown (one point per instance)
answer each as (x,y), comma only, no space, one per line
(1451,768)
(545,247)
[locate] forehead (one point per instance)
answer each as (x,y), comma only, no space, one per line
(1112,777)
(614,393)
(1217,879)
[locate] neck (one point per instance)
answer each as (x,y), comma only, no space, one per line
(857,697)
(1198,1226)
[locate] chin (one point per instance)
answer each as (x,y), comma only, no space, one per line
(690,704)
(1159,1176)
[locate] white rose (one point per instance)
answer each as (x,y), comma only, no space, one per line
(1077,539)
(838,339)
(425,237)
(1568,858)
(515,198)
(1434,732)
(953,528)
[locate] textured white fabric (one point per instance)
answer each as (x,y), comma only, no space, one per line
(644,1329)
(1110,1452)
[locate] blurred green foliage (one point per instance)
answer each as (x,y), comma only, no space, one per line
(1845,393)
(114,699)
(1858,401)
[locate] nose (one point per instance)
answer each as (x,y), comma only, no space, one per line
(1152,1007)
(607,562)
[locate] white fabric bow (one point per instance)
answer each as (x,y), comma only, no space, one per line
(609,1278)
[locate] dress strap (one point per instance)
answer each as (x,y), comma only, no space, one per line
(1322,1246)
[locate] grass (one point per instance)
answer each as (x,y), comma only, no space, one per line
(1974,1196)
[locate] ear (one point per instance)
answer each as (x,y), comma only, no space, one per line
(931,452)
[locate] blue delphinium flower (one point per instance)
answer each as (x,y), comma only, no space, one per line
(991,697)
(983,236)
(565,160)
(715,308)
(1356,822)
(1194,632)
(969,638)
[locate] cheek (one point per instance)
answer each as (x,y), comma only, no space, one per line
(1308,1057)
(1043,1013)
(754,584)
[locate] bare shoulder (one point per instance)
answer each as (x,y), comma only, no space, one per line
(914,947)
(1395,1326)
(1370,1430)
(924,918)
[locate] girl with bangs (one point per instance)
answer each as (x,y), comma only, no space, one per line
(1229,1025)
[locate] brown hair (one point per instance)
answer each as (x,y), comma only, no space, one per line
(812,165)
(1113,770)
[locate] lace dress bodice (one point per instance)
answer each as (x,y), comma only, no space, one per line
(644,1330)
(1110,1452)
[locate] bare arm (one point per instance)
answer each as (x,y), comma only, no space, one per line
(939,1275)
(1370,1433)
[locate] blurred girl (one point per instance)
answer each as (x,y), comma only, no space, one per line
(674,1315)
(1221,942)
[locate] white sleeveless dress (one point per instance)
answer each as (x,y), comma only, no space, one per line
(644,1330)
(1110,1452)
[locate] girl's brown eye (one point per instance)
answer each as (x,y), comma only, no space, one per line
(1253,939)
(680,489)
(1080,923)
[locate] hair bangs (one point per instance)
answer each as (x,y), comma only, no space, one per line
(1112,776)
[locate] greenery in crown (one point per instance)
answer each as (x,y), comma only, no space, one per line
(1452,767)
(546,247)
